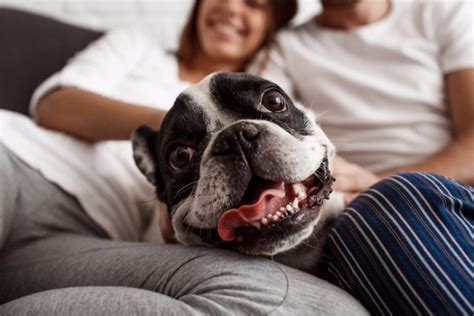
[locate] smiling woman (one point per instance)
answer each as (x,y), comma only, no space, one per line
(212,33)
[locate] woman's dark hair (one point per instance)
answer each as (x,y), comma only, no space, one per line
(281,12)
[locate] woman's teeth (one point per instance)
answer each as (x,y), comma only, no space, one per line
(225,28)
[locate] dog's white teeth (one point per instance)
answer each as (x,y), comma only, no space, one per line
(299,187)
(284,212)
(300,191)
(295,203)
(257,225)
(302,195)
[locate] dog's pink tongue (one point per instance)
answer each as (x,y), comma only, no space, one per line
(269,201)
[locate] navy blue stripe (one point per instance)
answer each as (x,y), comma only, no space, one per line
(406,246)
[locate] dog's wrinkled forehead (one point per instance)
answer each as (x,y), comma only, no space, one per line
(221,99)
(193,115)
(200,101)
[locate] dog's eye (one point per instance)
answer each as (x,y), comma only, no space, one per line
(180,157)
(274,101)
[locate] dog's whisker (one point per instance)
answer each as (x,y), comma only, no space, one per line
(184,189)
(311,241)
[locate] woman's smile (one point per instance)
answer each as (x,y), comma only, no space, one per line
(226,29)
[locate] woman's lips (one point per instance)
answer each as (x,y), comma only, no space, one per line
(225,30)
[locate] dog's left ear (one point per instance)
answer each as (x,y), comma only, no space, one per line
(144,141)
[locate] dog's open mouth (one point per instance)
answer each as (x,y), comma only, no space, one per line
(267,204)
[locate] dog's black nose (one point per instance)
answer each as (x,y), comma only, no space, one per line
(236,139)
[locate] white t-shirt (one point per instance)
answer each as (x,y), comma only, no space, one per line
(127,65)
(378,90)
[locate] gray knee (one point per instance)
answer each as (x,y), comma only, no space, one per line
(214,281)
(8,193)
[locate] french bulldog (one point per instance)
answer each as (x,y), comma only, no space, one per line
(241,166)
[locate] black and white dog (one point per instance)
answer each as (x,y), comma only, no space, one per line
(241,166)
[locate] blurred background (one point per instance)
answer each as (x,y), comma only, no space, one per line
(163,17)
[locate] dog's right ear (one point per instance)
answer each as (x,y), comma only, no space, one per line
(144,141)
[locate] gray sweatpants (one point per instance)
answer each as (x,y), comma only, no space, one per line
(55,260)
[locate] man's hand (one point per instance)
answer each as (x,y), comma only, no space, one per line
(351,179)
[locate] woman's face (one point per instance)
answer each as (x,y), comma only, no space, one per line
(232,30)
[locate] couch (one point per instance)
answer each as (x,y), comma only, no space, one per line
(33,48)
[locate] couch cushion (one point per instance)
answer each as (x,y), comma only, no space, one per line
(33,47)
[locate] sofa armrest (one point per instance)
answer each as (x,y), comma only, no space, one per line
(33,48)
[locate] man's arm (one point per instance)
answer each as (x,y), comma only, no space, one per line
(456,160)
(93,117)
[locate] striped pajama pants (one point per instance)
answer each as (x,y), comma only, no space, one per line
(405,246)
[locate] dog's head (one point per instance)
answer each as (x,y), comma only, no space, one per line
(238,164)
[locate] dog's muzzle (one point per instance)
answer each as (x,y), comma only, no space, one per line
(276,203)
